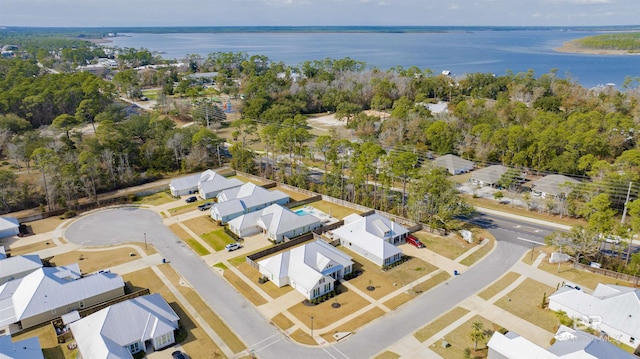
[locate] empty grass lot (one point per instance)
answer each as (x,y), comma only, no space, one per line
(355,323)
(498,286)
(92,261)
(439,324)
(193,243)
(383,281)
(271,289)
(334,210)
(324,313)
(525,302)
(451,246)
(460,338)
(296,196)
(198,344)
(44,225)
(30,248)
(155,199)
(583,278)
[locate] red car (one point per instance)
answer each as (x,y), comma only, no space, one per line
(414,241)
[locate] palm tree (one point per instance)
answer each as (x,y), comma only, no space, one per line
(477,334)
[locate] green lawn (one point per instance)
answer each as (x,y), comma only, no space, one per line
(217,239)
(155,199)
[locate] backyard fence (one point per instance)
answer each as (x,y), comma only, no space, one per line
(608,273)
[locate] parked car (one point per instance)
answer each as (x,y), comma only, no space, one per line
(179,355)
(191,199)
(232,247)
(205,206)
(414,241)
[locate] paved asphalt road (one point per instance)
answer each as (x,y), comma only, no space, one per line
(119,225)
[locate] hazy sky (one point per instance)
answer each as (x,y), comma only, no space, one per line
(98,13)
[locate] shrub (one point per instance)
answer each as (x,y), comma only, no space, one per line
(69,214)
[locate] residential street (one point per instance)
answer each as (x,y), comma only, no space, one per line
(265,340)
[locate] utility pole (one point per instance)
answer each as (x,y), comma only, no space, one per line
(624,211)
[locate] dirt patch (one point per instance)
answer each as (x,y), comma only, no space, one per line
(30,248)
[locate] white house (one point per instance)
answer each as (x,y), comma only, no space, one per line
(184,185)
(17,267)
(49,292)
(9,227)
(311,269)
(373,237)
(568,344)
(212,183)
(552,185)
(454,164)
(126,328)
(275,222)
(234,202)
(612,309)
(23,349)
(197,183)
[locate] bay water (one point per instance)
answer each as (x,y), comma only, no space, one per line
(461,50)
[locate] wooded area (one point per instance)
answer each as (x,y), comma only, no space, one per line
(536,124)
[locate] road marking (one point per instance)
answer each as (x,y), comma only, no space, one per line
(338,350)
(265,339)
(529,240)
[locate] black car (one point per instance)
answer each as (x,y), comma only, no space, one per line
(179,355)
(191,199)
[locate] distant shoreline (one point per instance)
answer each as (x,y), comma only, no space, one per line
(573,48)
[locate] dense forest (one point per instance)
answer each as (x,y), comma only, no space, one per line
(616,41)
(76,131)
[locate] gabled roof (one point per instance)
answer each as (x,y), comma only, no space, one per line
(579,344)
(18,264)
(307,264)
(569,344)
(23,349)
(278,220)
(107,333)
(453,163)
(617,306)
(228,207)
(371,233)
(8,223)
(490,175)
(49,288)
(553,184)
(218,183)
(251,194)
(186,182)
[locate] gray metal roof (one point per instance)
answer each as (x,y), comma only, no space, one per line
(18,266)
(553,184)
(23,349)
(107,333)
(490,175)
(454,164)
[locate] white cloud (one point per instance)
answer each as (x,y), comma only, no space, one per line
(454,7)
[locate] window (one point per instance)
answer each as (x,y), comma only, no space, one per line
(632,340)
(134,348)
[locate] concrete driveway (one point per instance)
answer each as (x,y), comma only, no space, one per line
(119,225)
